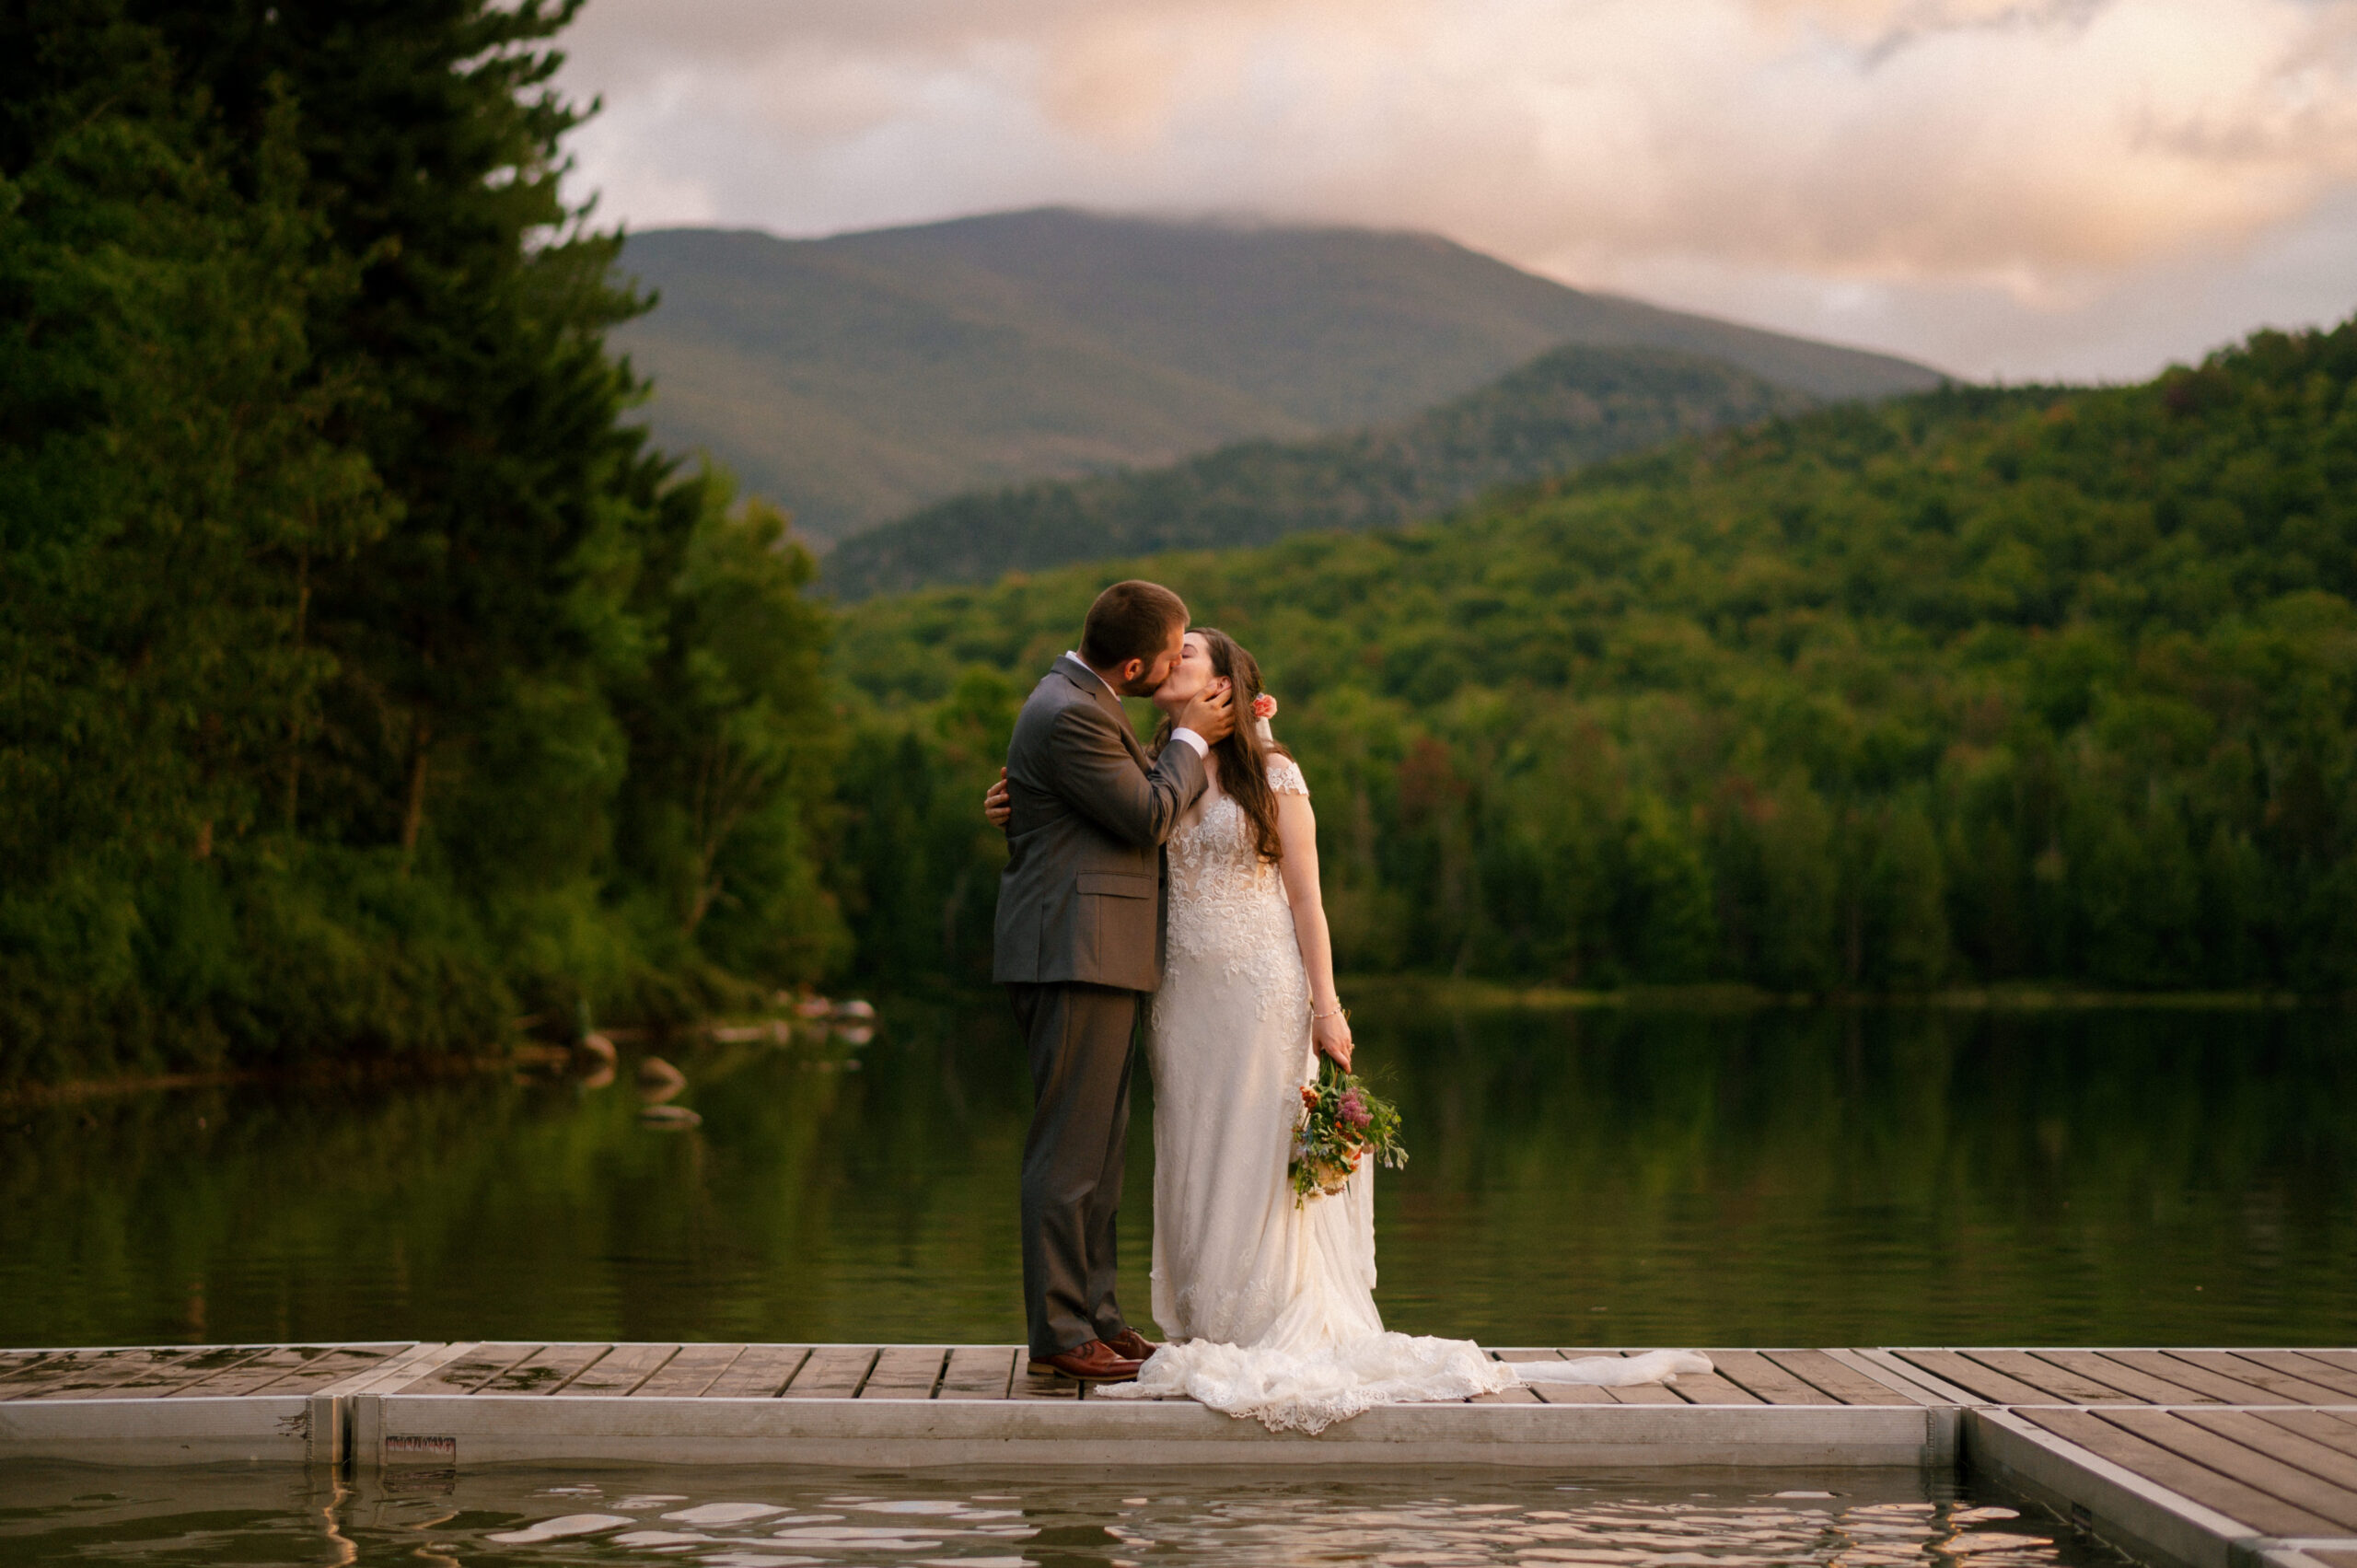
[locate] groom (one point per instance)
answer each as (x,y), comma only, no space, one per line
(1079,937)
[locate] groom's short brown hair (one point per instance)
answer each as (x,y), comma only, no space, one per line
(1131,620)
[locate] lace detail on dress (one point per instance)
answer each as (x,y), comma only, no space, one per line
(1284,776)
(1228,911)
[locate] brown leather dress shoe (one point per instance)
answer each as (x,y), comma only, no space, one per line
(1132,1344)
(1095,1362)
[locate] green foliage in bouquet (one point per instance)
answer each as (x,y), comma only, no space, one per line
(1342,1123)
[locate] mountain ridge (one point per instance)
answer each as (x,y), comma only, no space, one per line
(1567,408)
(856,378)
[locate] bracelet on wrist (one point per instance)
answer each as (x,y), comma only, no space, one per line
(1338,1013)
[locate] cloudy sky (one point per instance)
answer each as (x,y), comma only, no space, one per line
(2006,188)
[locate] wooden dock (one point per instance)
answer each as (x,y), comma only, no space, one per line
(2199,1458)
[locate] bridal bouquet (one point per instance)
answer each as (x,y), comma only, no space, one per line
(1341,1124)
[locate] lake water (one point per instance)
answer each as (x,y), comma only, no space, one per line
(1029,1519)
(1612,1176)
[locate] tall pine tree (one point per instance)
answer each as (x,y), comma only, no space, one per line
(360,652)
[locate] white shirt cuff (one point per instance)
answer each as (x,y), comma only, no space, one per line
(1202,747)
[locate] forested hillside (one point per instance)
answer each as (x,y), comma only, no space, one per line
(372,690)
(368,683)
(1567,408)
(853,380)
(1973,686)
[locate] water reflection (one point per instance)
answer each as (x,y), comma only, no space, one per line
(753,1519)
(1612,1176)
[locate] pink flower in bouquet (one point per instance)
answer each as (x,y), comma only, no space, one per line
(1353,1110)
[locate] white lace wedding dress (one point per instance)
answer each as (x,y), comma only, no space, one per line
(1270,1303)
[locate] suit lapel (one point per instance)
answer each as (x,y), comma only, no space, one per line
(1080,675)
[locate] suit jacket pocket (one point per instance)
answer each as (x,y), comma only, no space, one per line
(1119,909)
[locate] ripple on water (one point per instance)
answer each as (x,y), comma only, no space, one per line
(765,1519)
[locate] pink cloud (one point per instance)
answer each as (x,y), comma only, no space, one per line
(2029,155)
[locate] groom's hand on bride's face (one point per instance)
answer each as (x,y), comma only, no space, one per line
(1211,713)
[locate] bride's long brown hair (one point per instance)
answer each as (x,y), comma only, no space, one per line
(1243,760)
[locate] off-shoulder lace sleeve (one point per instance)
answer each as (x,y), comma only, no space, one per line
(1284,776)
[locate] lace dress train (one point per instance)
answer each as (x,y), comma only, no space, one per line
(1270,1302)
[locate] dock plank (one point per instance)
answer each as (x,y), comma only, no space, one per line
(979,1371)
(1557,1393)
(1754,1372)
(1844,1383)
(18,1363)
(255,1373)
(2307,1364)
(143,1372)
(2325,1461)
(619,1371)
(39,1370)
(1953,1367)
(905,1372)
(399,1370)
(2220,1390)
(833,1372)
(340,1362)
(1710,1388)
(761,1372)
(2107,1368)
(2054,1381)
(2336,1430)
(2298,1390)
(2300,1490)
(1516,1394)
(545,1370)
(2256,1510)
(1637,1394)
(689,1374)
(76,1369)
(478,1365)
(2224,1388)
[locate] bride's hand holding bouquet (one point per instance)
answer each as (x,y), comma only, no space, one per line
(1329,1034)
(1343,1124)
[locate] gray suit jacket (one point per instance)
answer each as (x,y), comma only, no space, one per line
(1081,898)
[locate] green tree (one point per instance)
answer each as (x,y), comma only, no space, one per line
(167,478)
(1982,685)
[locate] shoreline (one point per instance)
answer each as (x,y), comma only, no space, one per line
(1728,997)
(29,1095)
(1425,993)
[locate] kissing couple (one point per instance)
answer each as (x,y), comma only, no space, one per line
(1185,874)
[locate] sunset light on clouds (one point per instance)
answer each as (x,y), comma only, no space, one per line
(2080,188)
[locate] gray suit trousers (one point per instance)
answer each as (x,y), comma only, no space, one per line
(1079,1041)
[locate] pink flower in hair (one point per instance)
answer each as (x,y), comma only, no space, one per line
(1264,706)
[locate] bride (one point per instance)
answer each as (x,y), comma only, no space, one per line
(1269,1299)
